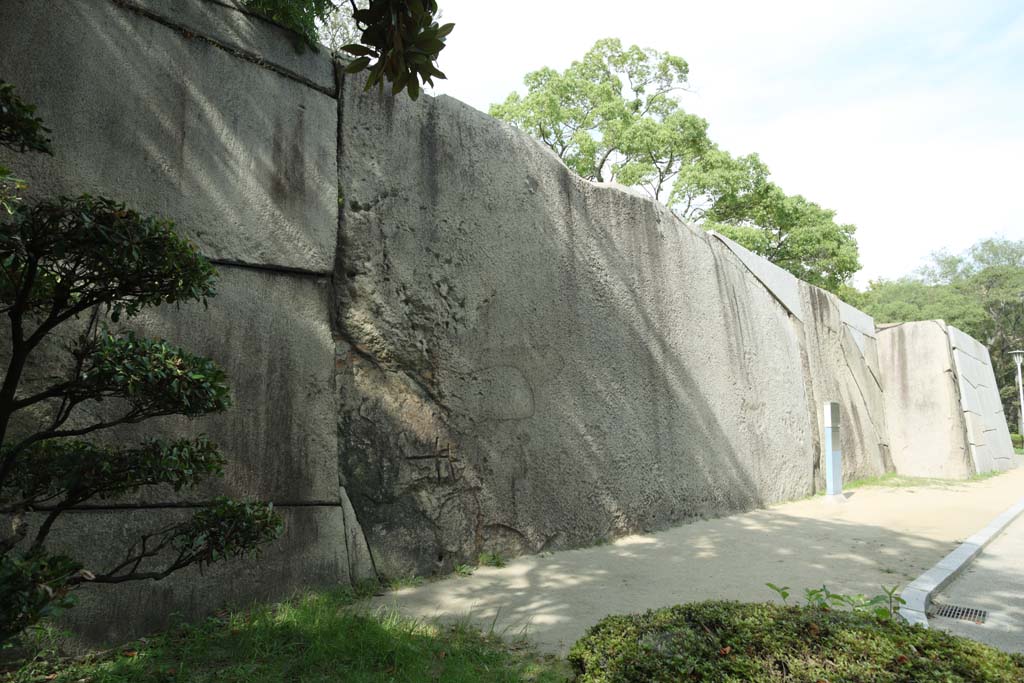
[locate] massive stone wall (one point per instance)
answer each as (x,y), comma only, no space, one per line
(206,115)
(440,340)
(532,361)
(945,415)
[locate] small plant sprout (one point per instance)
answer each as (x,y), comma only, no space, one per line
(783,591)
(884,607)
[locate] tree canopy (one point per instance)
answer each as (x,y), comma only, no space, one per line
(616,115)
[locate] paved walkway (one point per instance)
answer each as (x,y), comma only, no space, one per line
(878,536)
(993,582)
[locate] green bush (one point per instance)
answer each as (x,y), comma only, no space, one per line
(731,641)
(1017,439)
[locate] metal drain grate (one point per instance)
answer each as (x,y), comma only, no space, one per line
(978,616)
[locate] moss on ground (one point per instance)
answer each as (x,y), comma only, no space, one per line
(768,643)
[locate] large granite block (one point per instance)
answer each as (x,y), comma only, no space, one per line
(242,158)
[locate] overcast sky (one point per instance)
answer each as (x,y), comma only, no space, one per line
(904,116)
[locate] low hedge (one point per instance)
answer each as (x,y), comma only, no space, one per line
(732,641)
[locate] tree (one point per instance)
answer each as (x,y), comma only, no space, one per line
(602,113)
(396,41)
(980,291)
(616,115)
(91,259)
(791,232)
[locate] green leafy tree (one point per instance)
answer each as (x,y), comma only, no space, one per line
(616,115)
(791,232)
(86,259)
(396,41)
(601,113)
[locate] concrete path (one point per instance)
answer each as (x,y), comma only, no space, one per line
(993,582)
(878,536)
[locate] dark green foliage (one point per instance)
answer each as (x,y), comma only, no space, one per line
(95,258)
(20,129)
(226,529)
(120,258)
(400,43)
(399,39)
(73,470)
(731,641)
(34,586)
(154,377)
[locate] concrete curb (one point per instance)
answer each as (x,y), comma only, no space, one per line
(919,593)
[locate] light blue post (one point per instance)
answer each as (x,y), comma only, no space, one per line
(833,456)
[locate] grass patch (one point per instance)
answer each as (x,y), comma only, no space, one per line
(893,480)
(490,560)
(317,638)
(399,582)
(767,643)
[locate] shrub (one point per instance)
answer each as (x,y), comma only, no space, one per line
(732,641)
(93,259)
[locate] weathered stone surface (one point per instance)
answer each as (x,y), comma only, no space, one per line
(927,430)
(783,285)
(310,554)
(242,158)
(837,370)
(230,25)
(360,561)
(987,432)
(533,361)
(270,331)
(520,360)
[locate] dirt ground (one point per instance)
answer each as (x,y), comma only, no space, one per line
(877,536)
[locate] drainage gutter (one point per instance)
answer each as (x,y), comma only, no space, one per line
(919,593)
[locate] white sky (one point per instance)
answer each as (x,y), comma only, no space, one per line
(906,116)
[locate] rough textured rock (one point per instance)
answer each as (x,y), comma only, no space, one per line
(158,109)
(271,333)
(839,353)
(484,353)
(837,370)
(944,414)
(532,361)
(229,25)
(241,157)
(987,432)
(308,555)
